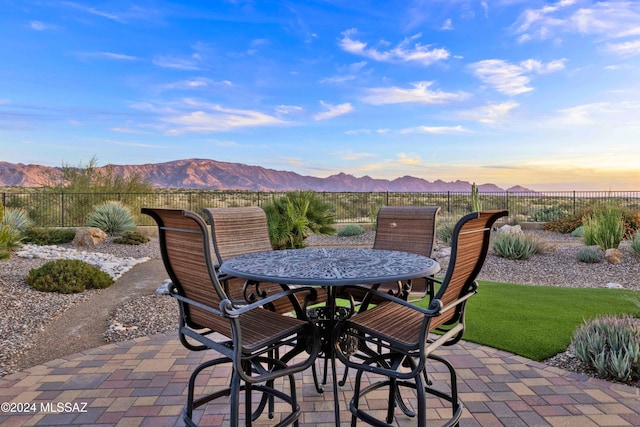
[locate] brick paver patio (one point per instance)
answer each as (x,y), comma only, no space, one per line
(143,383)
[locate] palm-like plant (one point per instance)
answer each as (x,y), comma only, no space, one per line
(295,216)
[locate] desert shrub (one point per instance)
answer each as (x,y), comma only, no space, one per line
(516,245)
(16,219)
(49,236)
(295,216)
(631,223)
(589,255)
(578,232)
(444,230)
(351,230)
(635,243)
(68,276)
(9,241)
(604,227)
(568,223)
(131,238)
(549,213)
(611,345)
(113,218)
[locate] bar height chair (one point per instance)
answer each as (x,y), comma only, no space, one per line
(409,229)
(394,336)
(246,336)
(245,230)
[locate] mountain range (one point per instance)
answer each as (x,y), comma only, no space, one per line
(214,175)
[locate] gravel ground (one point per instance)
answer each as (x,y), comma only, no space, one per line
(27,312)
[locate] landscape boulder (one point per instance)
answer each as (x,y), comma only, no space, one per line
(511,229)
(89,236)
(613,256)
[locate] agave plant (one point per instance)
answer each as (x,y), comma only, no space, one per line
(16,219)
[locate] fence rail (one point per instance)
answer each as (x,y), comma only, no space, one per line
(60,209)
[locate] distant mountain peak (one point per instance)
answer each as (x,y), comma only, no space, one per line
(209,174)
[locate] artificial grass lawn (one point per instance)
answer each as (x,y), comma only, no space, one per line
(538,322)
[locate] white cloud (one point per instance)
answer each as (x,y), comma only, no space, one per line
(448,25)
(194,116)
(491,114)
(610,19)
(406,160)
(97,12)
(111,55)
(403,52)
(196,83)
(420,93)
(350,155)
(440,130)
(169,61)
(333,110)
(288,109)
(41,26)
(512,79)
(606,114)
(625,49)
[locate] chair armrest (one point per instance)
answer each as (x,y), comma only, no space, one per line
(231,310)
(435,306)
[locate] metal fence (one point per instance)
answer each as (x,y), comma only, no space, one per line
(59,209)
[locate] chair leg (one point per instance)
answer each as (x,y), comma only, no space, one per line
(456,405)
(235,400)
(192,403)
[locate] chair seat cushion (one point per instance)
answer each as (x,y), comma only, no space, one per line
(259,327)
(395,323)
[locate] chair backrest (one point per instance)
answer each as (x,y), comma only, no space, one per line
(407,228)
(185,248)
(469,246)
(238,231)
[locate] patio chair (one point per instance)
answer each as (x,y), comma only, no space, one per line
(244,230)
(394,335)
(239,231)
(246,336)
(410,229)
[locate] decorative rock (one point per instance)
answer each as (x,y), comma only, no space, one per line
(613,256)
(163,288)
(512,229)
(89,236)
(612,285)
(111,264)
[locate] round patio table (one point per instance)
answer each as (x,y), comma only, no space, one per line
(330,268)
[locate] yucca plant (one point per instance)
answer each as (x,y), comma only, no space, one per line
(604,227)
(515,245)
(113,218)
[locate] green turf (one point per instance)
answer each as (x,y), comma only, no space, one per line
(538,322)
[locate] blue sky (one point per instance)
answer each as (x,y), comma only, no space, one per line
(544,94)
